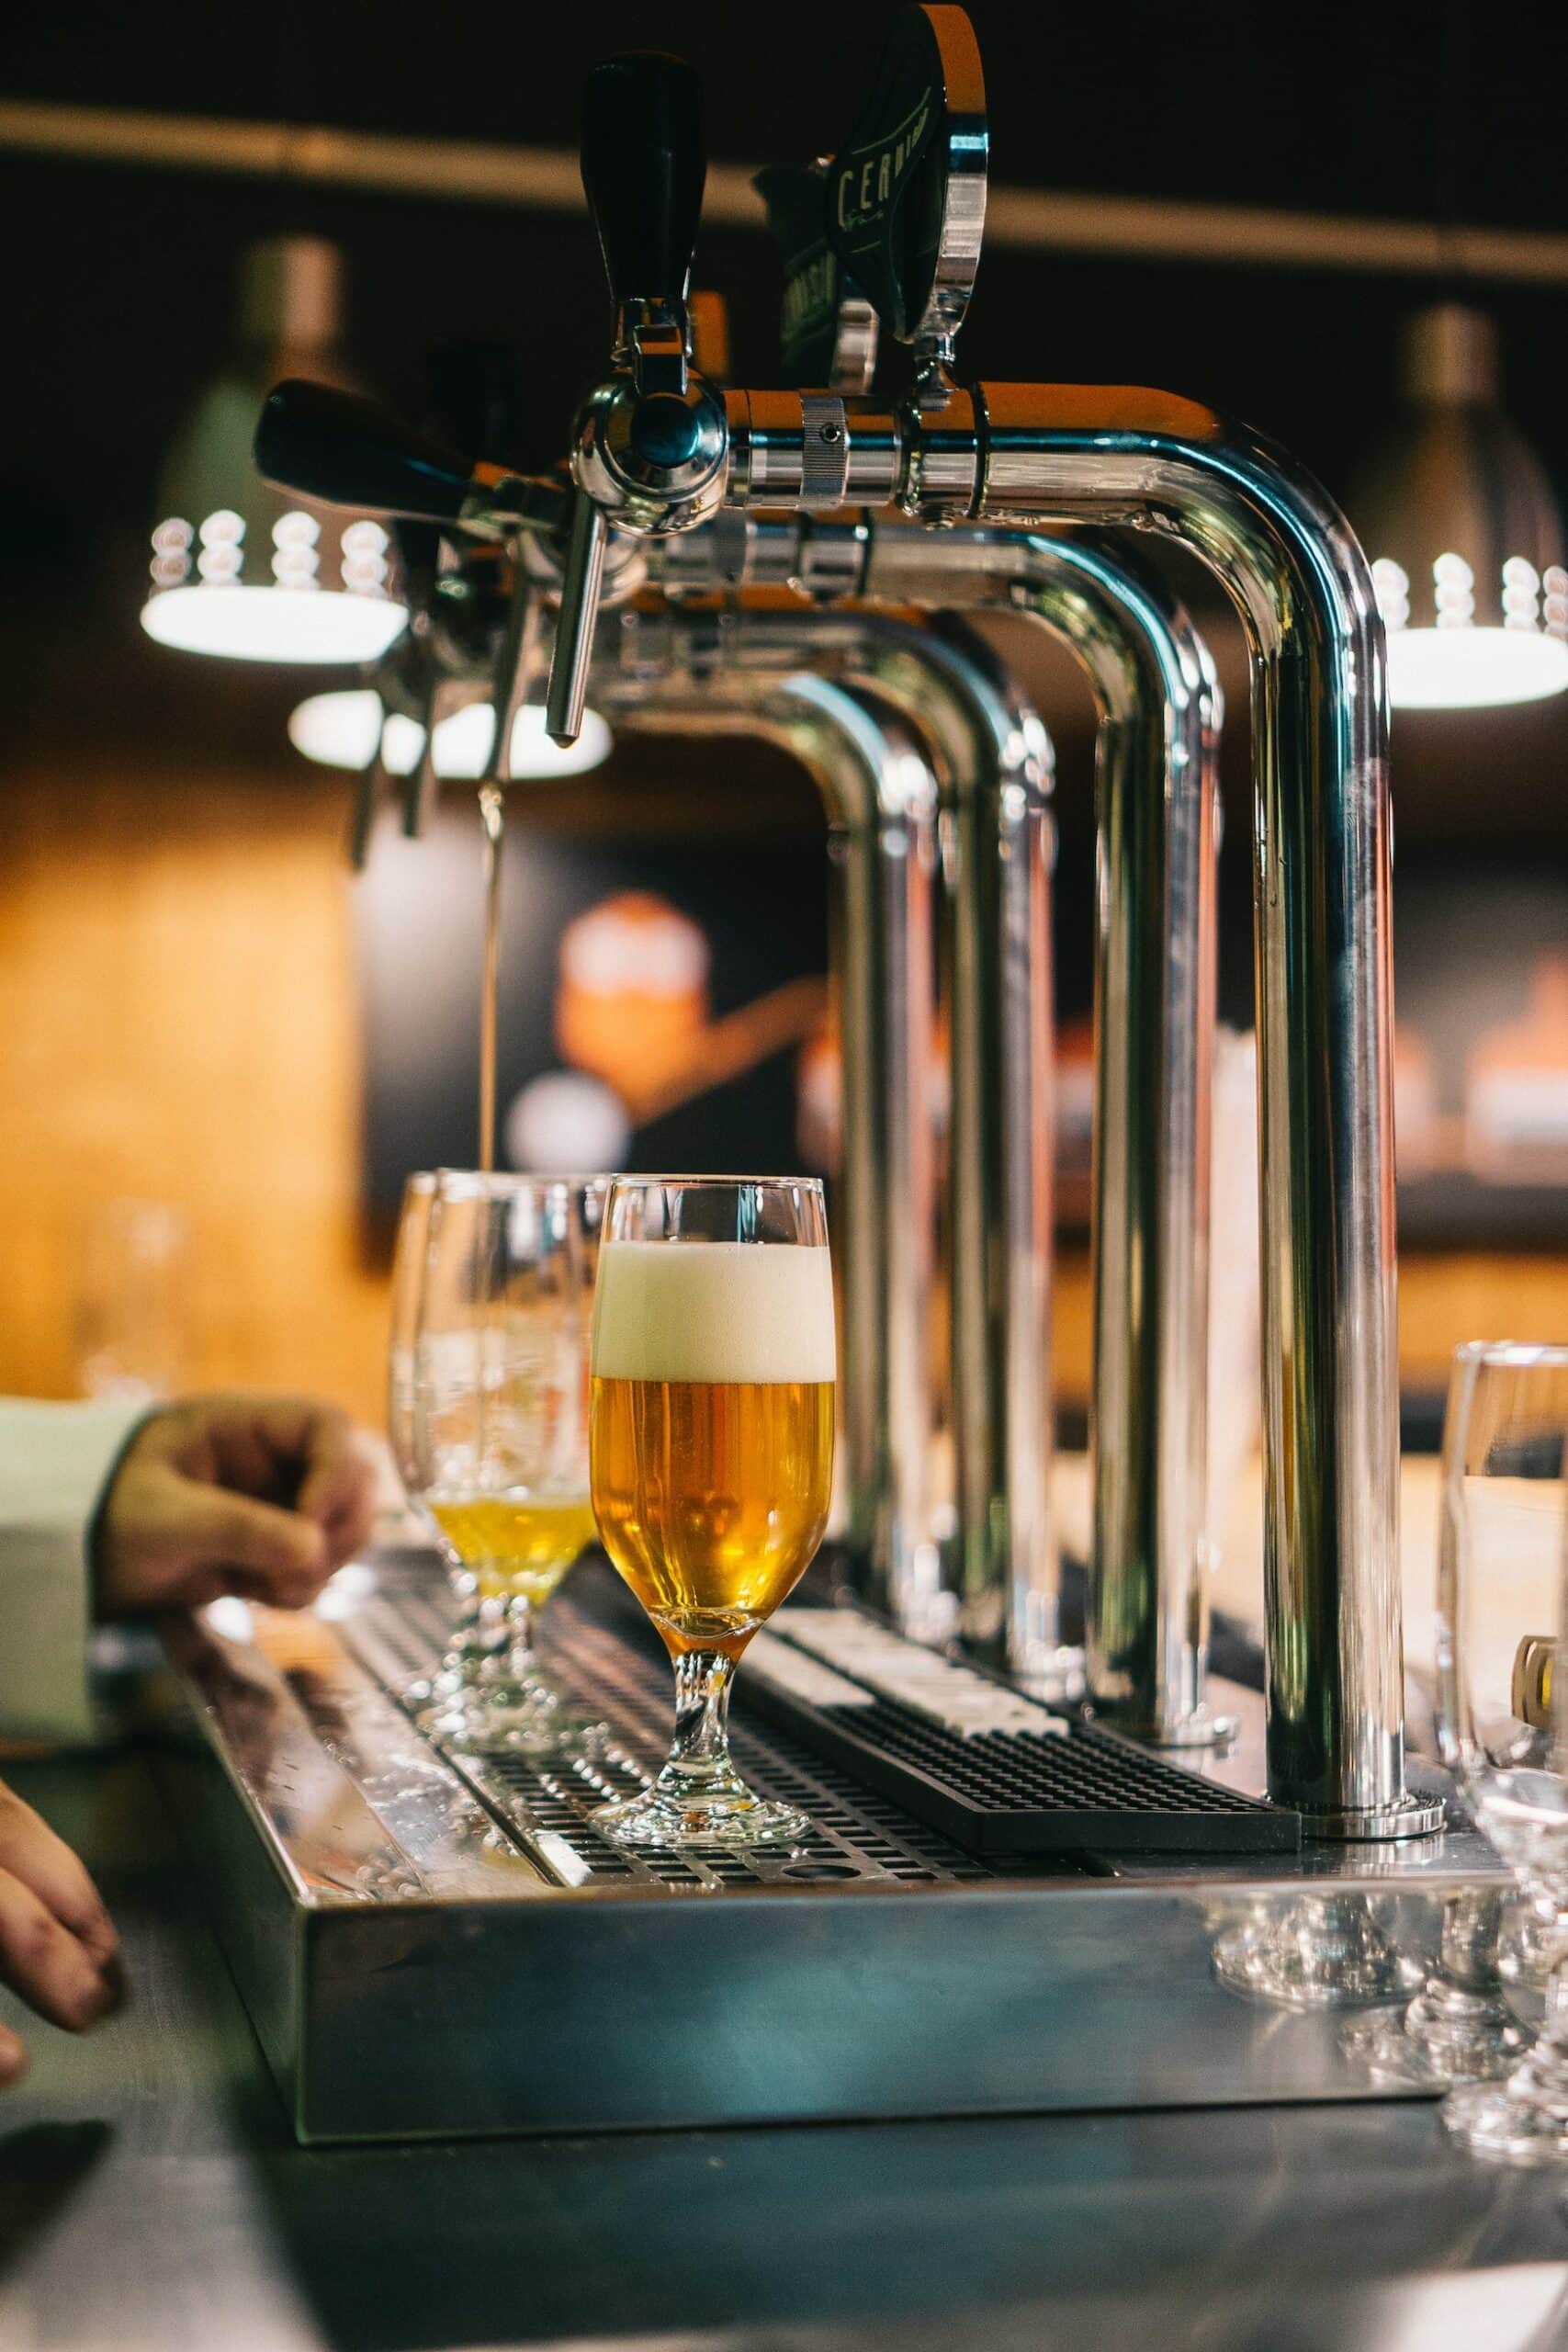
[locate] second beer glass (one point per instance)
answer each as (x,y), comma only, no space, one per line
(712,1457)
(501,1436)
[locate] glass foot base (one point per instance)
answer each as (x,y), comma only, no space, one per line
(435,1688)
(1516,2122)
(1327,1955)
(727,1821)
(476,1723)
(1420,2049)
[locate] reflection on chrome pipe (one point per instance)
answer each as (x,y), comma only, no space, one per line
(882,881)
(994,761)
(1158,723)
(880,797)
(1300,582)
(1159,712)
(1157,761)
(1157,754)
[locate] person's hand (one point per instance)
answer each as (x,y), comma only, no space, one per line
(260,1496)
(58,1949)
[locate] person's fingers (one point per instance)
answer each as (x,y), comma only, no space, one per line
(47,1965)
(32,1853)
(13,2058)
(280,1555)
(334,1469)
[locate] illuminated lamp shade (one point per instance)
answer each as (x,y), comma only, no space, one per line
(1464,535)
(340,730)
(239,567)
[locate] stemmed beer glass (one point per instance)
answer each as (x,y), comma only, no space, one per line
(462,1655)
(712,1457)
(501,1436)
(1502,1695)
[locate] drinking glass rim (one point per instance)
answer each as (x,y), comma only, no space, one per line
(694,1184)
(1517,1354)
(499,1180)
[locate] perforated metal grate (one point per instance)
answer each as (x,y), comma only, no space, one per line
(1092,1792)
(859,1836)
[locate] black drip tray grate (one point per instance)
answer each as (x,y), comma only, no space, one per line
(859,1836)
(1091,1792)
(895,1796)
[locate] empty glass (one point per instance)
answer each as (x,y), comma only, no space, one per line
(1501,1719)
(464,1654)
(712,1448)
(500,1426)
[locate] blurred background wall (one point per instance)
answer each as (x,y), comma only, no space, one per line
(187,1000)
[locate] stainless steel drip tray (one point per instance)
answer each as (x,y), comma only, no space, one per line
(438,1946)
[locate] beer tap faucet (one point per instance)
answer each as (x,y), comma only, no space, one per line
(650,440)
(1034,457)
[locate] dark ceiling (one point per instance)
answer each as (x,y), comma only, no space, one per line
(118,282)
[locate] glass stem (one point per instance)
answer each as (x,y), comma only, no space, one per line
(1553,2038)
(1468,1952)
(491,1633)
(700,1750)
(520,1635)
(1540,2081)
(465,1652)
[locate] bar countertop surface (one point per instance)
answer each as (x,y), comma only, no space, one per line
(151,2196)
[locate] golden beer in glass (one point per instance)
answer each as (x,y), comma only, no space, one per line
(711,1450)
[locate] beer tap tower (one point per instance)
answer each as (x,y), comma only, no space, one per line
(657,450)
(678,480)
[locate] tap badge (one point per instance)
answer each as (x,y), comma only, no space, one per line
(904,199)
(868,181)
(890,229)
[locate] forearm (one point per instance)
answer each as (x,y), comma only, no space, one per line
(54,1461)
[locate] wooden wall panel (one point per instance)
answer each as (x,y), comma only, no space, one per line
(177,1022)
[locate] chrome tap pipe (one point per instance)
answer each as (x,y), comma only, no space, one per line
(1298,581)
(1157,782)
(1156,752)
(708,672)
(1034,456)
(1157,744)
(880,800)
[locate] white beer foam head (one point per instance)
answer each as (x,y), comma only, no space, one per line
(713,1310)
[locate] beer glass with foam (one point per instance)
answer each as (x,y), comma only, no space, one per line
(711,1443)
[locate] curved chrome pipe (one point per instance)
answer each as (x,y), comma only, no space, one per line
(1157,744)
(880,800)
(1300,582)
(708,672)
(1156,783)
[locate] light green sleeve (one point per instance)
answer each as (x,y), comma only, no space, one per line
(54,1461)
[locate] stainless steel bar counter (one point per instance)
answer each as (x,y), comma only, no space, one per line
(151,2196)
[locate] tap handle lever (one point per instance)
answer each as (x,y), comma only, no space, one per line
(576,622)
(643,168)
(348,451)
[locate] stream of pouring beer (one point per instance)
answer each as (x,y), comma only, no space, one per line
(492,819)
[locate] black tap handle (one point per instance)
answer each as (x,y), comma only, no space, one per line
(352,452)
(475,395)
(643,168)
